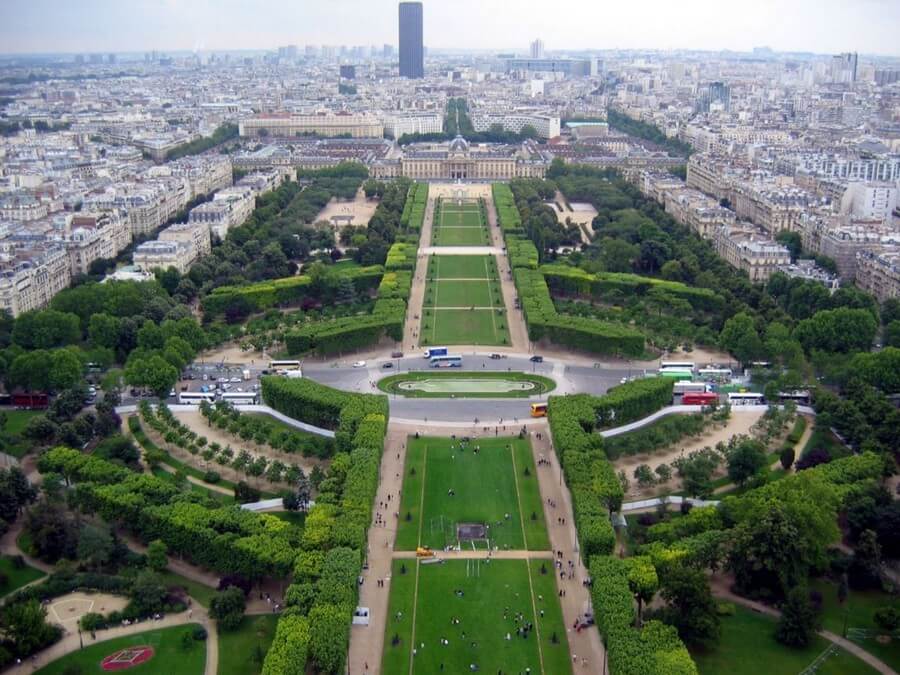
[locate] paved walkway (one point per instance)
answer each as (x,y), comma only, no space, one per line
(462,250)
(721,589)
(9,547)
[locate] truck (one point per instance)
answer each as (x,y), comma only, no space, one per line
(435,351)
(293,374)
(245,373)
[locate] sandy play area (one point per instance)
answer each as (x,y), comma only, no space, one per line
(341,213)
(582,214)
(66,610)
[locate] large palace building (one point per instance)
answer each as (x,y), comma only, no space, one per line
(457,160)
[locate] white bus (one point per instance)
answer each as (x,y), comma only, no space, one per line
(681,365)
(746,398)
(241,397)
(196,397)
(435,351)
(284,365)
(689,388)
(800,397)
(715,373)
(446,361)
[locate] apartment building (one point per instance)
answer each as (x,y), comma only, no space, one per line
(22,207)
(95,236)
(30,277)
(875,201)
(878,272)
(229,208)
(747,249)
(355,125)
(396,126)
(546,126)
(164,254)
(195,233)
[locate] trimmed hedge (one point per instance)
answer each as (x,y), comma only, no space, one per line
(401,256)
(522,252)
(568,280)
(414,209)
(280,292)
(507,213)
(574,331)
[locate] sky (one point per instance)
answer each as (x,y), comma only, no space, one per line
(823,26)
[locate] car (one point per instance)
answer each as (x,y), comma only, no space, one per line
(537,359)
(496,356)
(235,380)
(359,364)
(387,364)
(396,355)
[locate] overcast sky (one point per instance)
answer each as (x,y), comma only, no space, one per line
(825,26)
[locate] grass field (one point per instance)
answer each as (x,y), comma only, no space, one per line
(459,225)
(170,658)
(16,578)
(239,649)
(463,302)
(747,647)
(391,384)
(199,592)
(487,486)
(493,593)
(11,441)
(859,609)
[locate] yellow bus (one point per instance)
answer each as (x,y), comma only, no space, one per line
(538,409)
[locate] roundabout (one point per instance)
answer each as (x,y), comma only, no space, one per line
(466,385)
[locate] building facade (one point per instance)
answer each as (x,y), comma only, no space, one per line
(287,125)
(412,46)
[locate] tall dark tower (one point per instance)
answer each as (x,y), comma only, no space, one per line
(412,61)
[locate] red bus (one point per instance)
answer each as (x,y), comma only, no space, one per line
(696,398)
(30,400)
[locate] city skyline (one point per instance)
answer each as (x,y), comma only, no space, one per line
(48,26)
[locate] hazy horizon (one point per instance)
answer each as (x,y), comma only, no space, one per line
(89,26)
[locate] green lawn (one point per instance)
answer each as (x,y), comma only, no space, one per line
(199,592)
(239,649)
(463,293)
(460,225)
(446,235)
(390,384)
(16,578)
(462,267)
(859,608)
(169,658)
(464,327)
(10,441)
(485,491)
(747,647)
(493,593)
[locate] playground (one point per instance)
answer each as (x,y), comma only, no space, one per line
(67,609)
(341,213)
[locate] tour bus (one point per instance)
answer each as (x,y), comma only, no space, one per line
(746,398)
(715,373)
(695,398)
(446,361)
(284,365)
(689,365)
(436,351)
(538,409)
(240,397)
(800,397)
(684,387)
(196,397)
(676,374)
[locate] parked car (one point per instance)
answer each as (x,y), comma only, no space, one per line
(359,364)
(537,359)
(496,356)
(387,364)
(235,380)
(396,355)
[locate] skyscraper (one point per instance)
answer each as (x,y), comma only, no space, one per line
(412,58)
(537,49)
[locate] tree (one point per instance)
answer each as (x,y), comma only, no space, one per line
(643,474)
(745,460)
(328,626)
(791,241)
(53,535)
(26,627)
(227,608)
(15,493)
(95,545)
(66,369)
(643,582)
(786,458)
(664,471)
(690,606)
(887,619)
(865,568)
(799,621)
(696,472)
(740,338)
(148,594)
(837,330)
(157,555)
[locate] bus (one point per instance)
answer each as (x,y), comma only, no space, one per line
(436,351)
(800,397)
(196,397)
(746,398)
(446,361)
(689,365)
(685,387)
(694,398)
(241,397)
(284,365)
(715,373)
(538,409)
(676,374)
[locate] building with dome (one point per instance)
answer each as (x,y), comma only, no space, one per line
(458,160)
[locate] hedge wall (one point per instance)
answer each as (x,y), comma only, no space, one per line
(574,331)
(522,252)
(278,292)
(414,209)
(570,280)
(507,213)
(401,256)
